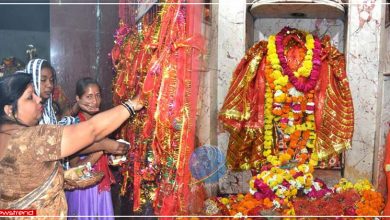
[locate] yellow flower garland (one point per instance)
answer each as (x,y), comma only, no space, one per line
(276,95)
(307,65)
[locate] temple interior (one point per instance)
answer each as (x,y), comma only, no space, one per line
(208,71)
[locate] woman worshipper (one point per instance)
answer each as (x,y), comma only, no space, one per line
(95,200)
(31,176)
(44,80)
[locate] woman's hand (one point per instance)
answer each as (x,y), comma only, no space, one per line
(136,102)
(87,108)
(116,148)
(92,158)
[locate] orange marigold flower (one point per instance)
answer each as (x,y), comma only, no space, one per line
(268,203)
(277,111)
(290,151)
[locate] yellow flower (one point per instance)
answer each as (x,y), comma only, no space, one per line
(266,153)
(314,156)
(272,50)
(310,144)
(279,179)
(268,126)
(272,184)
(276,74)
(240,197)
(224,201)
(284,80)
(252,184)
(273,56)
(310,117)
(307,65)
(362,185)
(279,193)
(301,180)
(348,185)
(309,180)
(268,143)
(268,120)
(304,168)
(289,130)
(274,61)
(273,160)
(294,191)
(277,67)
(280,97)
(284,157)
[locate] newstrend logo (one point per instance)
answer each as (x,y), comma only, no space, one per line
(17,212)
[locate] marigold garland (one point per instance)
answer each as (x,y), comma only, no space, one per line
(371,202)
(311,82)
(289,110)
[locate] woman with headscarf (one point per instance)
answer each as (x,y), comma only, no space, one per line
(44,81)
(30,176)
(44,78)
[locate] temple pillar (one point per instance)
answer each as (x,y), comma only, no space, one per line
(231,48)
(364,39)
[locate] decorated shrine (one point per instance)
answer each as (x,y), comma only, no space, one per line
(288,109)
(248,109)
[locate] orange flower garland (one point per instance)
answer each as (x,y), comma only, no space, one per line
(246,204)
(370,204)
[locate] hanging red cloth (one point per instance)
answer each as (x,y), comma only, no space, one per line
(386,210)
(163,66)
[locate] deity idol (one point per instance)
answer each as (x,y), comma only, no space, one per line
(289,103)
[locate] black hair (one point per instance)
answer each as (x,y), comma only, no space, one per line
(12,88)
(46,64)
(83,83)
